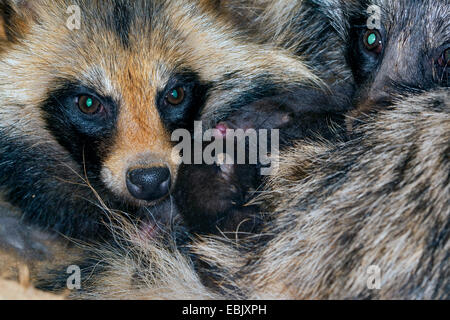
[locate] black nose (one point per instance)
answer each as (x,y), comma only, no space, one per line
(149,184)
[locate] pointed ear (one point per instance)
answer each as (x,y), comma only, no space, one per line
(15,16)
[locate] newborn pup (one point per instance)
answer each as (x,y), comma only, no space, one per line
(213,198)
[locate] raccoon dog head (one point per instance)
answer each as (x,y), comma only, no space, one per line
(398,47)
(91,90)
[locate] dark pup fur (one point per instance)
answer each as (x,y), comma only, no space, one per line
(215,199)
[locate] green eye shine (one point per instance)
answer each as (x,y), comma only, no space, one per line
(89,105)
(89,102)
(176,96)
(371,39)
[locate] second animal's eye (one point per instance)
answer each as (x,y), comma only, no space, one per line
(89,105)
(175,96)
(373,41)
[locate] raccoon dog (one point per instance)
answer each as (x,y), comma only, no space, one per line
(91,90)
(368,218)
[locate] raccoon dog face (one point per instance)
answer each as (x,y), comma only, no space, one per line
(91,90)
(399,46)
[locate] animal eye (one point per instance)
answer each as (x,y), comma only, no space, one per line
(373,41)
(89,105)
(175,96)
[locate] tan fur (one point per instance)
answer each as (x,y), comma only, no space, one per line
(10,290)
(131,76)
(150,272)
(3,35)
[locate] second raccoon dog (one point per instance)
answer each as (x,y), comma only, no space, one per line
(379,203)
(86,113)
(389,58)
(282,23)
